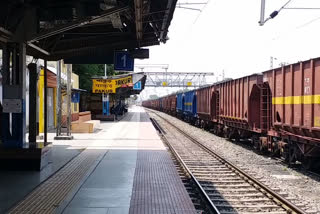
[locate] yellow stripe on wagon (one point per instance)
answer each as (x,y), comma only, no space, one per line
(317,121)
(307,99)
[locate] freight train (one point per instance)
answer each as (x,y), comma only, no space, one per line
(277,110)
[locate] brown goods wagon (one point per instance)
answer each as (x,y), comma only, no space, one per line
(165,104)
(207,103)
(153,104)
(296,99)
(172,101)
(240,103)
(157,104)
(146,103)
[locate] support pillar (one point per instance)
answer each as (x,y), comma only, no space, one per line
(66,135)
(15,152)
(45,124)
(33,76)
(14,95)
(69,86)
(59,100)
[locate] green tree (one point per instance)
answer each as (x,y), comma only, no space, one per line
(87,71)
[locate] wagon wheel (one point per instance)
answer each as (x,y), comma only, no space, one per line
(221,132)
(201,124)
(292,155)
(275,150)
(256,143)
(215,130)
(310,163)
(226,133)
(206,126)
(236,136)
(307,163)
(261,149)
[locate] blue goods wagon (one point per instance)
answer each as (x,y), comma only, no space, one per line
(190,106)
(180,105)
(180,101)
(161,100)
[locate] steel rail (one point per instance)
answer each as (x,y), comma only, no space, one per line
(287,205)
(212,207)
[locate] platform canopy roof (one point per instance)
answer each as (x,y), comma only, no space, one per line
(60,29)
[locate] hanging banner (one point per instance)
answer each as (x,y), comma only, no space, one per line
(109,86)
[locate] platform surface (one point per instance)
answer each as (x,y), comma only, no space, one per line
(136,175)
(15,185)
(130,172)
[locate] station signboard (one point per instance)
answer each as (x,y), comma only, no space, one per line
(109,86)
(123,61)
(137,86)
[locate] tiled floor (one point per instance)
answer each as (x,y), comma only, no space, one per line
(15,185)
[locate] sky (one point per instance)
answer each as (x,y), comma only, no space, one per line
(226,36)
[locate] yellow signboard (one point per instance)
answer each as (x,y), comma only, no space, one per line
(109,86)
(164,83)
(189,83)
(103,86)
(122,82)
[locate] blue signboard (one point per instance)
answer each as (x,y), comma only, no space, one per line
(123,61)
(75,97)
(137,86)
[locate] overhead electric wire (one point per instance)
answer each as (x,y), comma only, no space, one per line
(302,8)
(188,8)
(201,11)
(308,23)
(284,5)
(184,4)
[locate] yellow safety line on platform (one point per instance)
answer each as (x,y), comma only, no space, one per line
(307,99)
(51,194)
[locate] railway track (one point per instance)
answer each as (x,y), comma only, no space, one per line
(227,188)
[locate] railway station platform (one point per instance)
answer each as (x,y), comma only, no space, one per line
(122,168)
